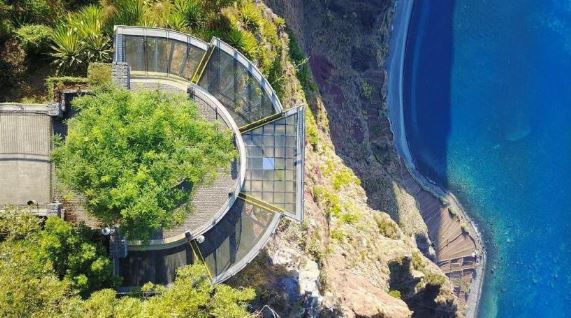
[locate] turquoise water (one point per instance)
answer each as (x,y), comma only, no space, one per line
(488,115)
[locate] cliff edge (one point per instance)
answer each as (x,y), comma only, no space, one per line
(348,258)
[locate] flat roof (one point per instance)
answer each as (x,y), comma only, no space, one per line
(25,170)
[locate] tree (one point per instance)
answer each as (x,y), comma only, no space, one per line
(135,156)
(28,282)
(32,261)
(194,295)
(29,286)
(80,40)
(191,295)
(17,224)
(75,257)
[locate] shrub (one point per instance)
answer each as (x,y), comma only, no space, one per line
(303,72)
(123,12)
(344,177)
(36,11)
(81,40)
(434,279)
(192,13)
(57,83)
(99,74)
(366,90)
(417,261)
(350,217)
(67,49)
(35,38)
(251,16)
(12,63)
(338,235)
(395,293)
(6,27)
(386,227)
(330,200)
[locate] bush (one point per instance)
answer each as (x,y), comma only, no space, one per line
(81,40)
(329,200)
(74,257)
(35,38)
(135,156)
(338,234)
(350,217)
(36,11)
(17,224)
(344,177)
(435,279)
(6,27)
(99,74)
(366,90)
(395,293)
(417,261)
(386,227)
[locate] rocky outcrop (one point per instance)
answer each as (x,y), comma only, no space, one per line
(348,259)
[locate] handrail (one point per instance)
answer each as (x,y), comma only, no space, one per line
(206,47)
(162,33)
(252,69)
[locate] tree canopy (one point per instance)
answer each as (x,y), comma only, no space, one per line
(42,270)
(136,155)
(33,259)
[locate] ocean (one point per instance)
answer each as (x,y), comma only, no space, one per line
(487,109)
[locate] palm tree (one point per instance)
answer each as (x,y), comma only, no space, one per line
(81,40)
(67,48)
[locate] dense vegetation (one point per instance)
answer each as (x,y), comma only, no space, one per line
(136,155)
(42,38)
(54,269)
(57,270)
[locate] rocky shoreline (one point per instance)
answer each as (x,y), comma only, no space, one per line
(403,10)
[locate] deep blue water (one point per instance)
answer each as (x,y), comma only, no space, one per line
(488,115)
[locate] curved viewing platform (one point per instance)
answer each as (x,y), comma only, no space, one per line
(233,217)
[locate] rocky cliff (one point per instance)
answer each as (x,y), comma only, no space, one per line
(348,258)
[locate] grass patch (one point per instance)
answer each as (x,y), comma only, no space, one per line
(59,83)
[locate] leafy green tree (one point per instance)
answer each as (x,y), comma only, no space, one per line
(136,155)
(194,295)
(27,283)
(39,270)
(17,224)
(191,295)
(75,257)
(35,38)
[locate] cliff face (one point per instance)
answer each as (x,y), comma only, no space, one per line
(347,45)
(348,258)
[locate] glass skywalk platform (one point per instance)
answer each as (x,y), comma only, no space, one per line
(267,177)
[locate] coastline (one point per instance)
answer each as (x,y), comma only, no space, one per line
(399,34)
